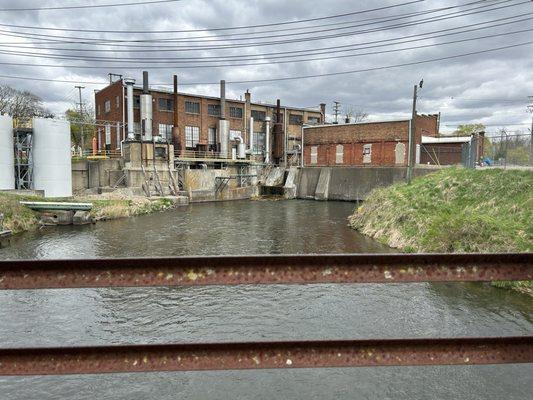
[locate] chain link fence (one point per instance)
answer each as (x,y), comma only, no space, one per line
(508,150)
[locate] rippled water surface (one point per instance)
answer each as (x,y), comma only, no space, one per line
(158,315)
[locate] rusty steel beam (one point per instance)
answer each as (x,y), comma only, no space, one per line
(271,269)
(265,355)
(299,269)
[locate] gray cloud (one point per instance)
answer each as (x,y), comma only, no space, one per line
(491,87)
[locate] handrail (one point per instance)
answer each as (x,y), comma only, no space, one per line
(271,269)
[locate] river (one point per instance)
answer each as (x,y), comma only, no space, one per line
(280,312)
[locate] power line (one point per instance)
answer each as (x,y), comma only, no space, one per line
(340,73)
(267,62)
(88,6)
(277,31)
(246,26)
(258,57)
(340,48)
(121,43)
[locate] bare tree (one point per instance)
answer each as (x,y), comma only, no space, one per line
(21,105)
(355,114)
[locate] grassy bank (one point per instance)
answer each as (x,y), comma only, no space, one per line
(18,218)
(454,210)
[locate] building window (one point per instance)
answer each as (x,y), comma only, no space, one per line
(98,109)
(212,138)
(166,104)
(295,119)
(192,107)
(108,134)
(192,136)
(313,120)
(233,134)
(119,139)
(367,153)
(258,115)
(235,112)
(107,106)
(213,110)
(314,154)
(339,154)
(117,101)
(259,142)
(137,128)
(136,101)
(165,131)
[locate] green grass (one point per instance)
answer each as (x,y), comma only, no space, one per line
(453,210)
(19,218)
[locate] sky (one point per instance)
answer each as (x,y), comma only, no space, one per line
(390,43)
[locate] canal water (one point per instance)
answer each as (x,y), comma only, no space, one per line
(280,312)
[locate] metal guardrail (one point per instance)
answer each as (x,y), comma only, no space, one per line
(298,269)
(199,154)
(96,154)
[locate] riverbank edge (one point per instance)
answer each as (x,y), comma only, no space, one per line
(19,218)
(454,210)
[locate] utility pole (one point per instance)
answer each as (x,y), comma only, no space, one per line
(530,109)
(81,116)
(336,110)
(412,144)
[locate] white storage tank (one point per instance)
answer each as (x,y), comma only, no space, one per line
(52,165)
(7,154)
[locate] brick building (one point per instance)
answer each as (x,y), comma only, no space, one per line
(365,144)
(197,119)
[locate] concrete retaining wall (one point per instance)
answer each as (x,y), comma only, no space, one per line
(349,184)
(93,174)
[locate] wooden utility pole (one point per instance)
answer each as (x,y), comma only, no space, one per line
(81,116)
(412,145)
(530,109)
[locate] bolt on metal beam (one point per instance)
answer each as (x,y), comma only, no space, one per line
(272,269)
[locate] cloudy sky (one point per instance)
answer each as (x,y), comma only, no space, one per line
(390,44)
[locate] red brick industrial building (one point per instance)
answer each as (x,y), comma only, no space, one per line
(197,119)
(365,144)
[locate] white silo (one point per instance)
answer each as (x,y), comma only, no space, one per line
(52,165)
(7,153)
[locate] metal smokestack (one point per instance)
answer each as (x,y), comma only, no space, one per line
(175,130)
(146,89)
(223,99)
(129,82)
(146,109)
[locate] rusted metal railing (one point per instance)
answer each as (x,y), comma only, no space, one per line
(288,269)
(298,269)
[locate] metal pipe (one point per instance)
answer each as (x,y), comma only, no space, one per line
(271,269)
(267,140)
(129,93)
(252,135)
(265,355)
(222,99)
